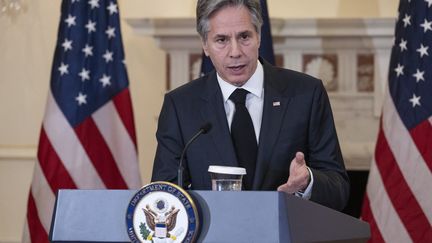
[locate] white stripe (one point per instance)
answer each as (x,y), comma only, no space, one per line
(43,196)
(69,148)
(119,142)
(386,218)
(26,234)
(410,161)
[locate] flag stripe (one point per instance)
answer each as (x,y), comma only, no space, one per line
(387,219)
(34,223)
(43,197)
(422,136)
(99,154)
(402,198)
(26,230)
(411,163)
(123,105)
(119,142)
(368,216)
(69,149)
(52,167)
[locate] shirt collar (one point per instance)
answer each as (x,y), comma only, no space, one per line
(254,85)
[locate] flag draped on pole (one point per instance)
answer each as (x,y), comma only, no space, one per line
(398,200)
(87,140)
(266,46)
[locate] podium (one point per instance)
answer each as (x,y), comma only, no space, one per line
(247,216)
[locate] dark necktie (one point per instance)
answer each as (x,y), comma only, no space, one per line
(243,136)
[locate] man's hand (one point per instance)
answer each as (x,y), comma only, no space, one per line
(299,175)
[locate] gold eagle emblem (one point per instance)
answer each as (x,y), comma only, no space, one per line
(167,219)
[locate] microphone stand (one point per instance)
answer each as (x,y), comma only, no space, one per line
(203,130)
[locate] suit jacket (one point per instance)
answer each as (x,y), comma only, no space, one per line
(302,121)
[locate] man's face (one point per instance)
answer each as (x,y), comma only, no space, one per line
(232,44)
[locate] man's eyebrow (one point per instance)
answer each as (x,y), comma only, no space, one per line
(220,36)
(246,32)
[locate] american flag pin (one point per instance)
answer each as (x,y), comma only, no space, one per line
(276,103)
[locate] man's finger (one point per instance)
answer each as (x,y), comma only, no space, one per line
(285,188)
(282,187)
(300,158)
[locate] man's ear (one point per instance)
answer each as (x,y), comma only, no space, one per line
(205,47)
(259,40)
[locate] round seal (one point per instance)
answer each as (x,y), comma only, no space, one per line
(162,212)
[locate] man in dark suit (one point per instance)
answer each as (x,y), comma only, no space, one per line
(285,137)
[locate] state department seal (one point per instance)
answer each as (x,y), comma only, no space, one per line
(162,212)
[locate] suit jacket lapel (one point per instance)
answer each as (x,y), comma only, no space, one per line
(275,104)
(213,111)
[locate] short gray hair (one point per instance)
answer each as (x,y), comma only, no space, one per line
(206,8)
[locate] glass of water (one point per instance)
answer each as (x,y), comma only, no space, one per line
(226,178)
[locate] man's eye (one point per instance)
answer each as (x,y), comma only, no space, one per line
(220,40)
(244,37)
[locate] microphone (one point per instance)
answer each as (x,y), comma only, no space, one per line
(203,130)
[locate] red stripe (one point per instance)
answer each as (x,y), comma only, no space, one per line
(368,216)
(36,230)
(51,165)
(400,194)
(422,136)
(123,104)
(100,154)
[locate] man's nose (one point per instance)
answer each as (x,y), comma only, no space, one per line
(235,49)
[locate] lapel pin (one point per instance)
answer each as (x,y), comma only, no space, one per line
(276,103)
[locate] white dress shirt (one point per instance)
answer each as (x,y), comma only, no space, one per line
(254,99)
(254,103)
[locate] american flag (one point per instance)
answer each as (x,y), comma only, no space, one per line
(87,139)
(398,200)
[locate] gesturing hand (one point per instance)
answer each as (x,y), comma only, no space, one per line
(299,175)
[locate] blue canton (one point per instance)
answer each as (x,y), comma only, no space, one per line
(88,69)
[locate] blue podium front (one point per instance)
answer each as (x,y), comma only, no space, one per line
(247,216)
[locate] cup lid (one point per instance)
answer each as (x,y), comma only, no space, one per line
(227,170)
